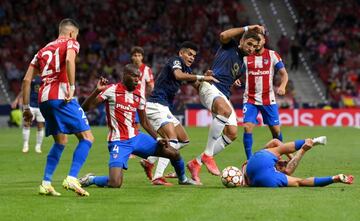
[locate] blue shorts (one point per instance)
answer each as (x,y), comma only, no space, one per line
(142,145)
(61,117)
(137,119)
(261,170)
(270,113)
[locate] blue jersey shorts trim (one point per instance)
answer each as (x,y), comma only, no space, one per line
(270,113)
(142,145)
(261,170)
(61,117)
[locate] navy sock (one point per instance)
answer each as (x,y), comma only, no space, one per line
(80,154)
(279,137)
(323,181)
(101,181)
(53,158)
(299,144)
(248,142)
(179,167)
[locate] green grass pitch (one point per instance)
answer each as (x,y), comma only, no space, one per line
(20,175)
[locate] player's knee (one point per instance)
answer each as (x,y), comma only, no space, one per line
(248,128)
(88,136)
(231,133)
(115,183)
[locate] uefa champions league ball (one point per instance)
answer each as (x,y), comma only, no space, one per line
(231,177)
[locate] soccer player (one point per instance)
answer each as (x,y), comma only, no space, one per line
(265,169)
(176,71)
(55,63)
(35,111)
(215,97)
(122,101)
(146,78)
(259,95)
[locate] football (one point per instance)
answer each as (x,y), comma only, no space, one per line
(231,177)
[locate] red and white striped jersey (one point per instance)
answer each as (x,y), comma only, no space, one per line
(146,76)
(51,62)
(121,106)
(260,70)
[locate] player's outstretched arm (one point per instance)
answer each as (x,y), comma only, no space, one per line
(70,71)
(92,101)
(227,35)
(181,76)
(25,88)
(284,80)
(144,121)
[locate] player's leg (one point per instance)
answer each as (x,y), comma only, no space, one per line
(270,115)
(26,136)
(250,113)
(40,130)
(320,181)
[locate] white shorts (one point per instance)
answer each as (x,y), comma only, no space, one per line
(208,93)
(37,114)
(159,115)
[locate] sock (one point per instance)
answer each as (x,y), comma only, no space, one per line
(279,137)
(248,142)
(216,128)
(52,160)
(299,144)
(323,181)
(164,162)
(152,159)
(26,135)
(221,143)
(182,144)
(179,167)
(39,137)
(80,154)
(100,181)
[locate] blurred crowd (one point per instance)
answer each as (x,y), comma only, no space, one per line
(330,32)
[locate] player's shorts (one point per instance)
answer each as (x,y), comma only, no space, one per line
(37,114)
(208,93)
(142,145)
(261,170)
(137,119)
(270,113)
(159,115)
(61,117)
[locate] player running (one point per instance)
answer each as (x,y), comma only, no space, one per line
(266,169)
(35,111)
(215,97)
(167,84)
(122,101)
(55,63)
(259,95)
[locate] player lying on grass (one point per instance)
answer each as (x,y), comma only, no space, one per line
(266,169)
(122,100)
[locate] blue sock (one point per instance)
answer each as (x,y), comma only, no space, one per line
(299,144)
(80,154)
(53,158)
(323,181)
(101,181)
(179,167)
(248,142)
(279,137)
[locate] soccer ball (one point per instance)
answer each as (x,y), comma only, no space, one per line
(231,177)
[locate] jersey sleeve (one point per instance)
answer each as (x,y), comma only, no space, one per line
(230,44)
(73,44)
(107,93)
(149,77)
(175,64)
(35,62)
(278,64)
(142,103)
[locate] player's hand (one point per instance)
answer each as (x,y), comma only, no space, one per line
(281,91)
(211,79)
(101,85)
(209,73)
(69,96)
(257,28)
(14,104)
(237,83)
(27,115)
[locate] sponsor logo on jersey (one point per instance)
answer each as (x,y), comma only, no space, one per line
(127,107)
(258,72)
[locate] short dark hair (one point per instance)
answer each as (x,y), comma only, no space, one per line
(137,49)
(189,44)
(69,21)
(252,34)
(131,68)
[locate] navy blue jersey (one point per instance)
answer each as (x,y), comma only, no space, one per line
(166,84)
(34,91)
(226,66)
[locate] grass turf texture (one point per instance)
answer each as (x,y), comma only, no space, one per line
(20,176)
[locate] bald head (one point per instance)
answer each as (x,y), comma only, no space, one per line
(69,28)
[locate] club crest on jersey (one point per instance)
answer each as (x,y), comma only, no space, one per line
(115,155)
(266,61)
(176,64)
